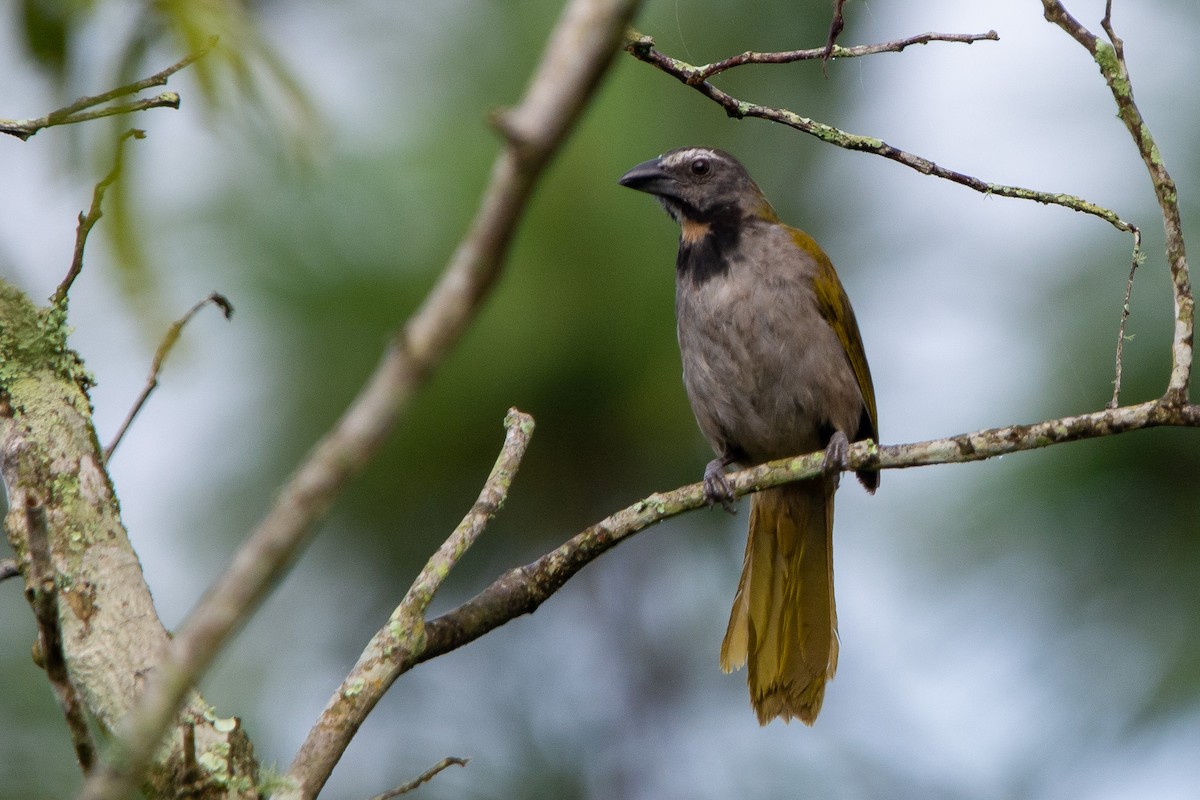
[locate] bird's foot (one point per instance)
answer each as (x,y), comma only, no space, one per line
(836,453)
(716,486)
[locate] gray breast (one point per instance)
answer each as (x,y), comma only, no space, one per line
(764,372)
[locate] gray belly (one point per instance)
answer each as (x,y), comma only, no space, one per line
(762,384)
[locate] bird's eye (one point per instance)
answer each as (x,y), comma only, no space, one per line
(701,167)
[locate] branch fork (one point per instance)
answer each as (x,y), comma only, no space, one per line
(93,106)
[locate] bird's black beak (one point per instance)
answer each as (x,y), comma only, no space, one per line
(650,177)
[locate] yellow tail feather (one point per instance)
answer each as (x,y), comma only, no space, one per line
(784,622)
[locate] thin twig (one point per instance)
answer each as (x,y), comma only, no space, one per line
(1135,262)
(836,26)
(519,430)
(1106,24)
(699,74)
(77,111)
(163,100)
(580,50)
(42,591)
(374,672)
(1111,60)
(93,215)
(424,777)
(160,357)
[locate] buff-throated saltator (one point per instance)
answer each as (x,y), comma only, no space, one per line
(774,366)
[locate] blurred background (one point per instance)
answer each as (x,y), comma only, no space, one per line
(1021,628)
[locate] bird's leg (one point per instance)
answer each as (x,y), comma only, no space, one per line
(716,485)
(835,456)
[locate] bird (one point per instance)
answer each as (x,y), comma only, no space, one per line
(774,367)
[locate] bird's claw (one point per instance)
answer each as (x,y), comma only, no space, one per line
(836,453)
(716,486)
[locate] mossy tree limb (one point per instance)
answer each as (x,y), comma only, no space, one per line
(111,635)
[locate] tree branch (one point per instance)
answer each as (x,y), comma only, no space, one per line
(521,590)
(375,672)
(41,590)
(1135,262)
(836,26)
(94,213)
(519,430)
(78,111)
(424,777)
(1110,57)
(700,74)
(578,53)
(642,48)
(160,356)
(111,636)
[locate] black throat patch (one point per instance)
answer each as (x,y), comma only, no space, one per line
(706,247)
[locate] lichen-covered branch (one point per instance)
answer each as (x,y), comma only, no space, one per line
(65,527)
(519,430)
(1110,57)
(577,55)
(521,590)
(375,670)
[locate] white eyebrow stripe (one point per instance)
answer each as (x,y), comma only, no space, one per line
(677,158)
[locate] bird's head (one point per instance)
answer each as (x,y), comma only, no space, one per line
(700,185)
